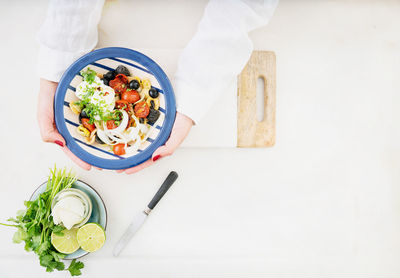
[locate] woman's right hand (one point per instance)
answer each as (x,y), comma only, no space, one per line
(45,117)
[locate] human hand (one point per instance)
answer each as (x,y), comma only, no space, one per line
(45,117)
(180,130)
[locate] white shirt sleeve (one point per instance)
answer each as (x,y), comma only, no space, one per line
(218,52)
(68,32)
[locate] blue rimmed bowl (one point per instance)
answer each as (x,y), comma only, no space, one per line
(103,60)
(98,215)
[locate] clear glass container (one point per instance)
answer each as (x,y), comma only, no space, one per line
(79,194)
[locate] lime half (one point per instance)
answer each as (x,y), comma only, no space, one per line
(67,243)
(91,237)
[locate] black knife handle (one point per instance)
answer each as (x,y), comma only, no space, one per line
(163,189)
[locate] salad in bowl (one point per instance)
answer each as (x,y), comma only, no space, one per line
(114,107)
(117,111)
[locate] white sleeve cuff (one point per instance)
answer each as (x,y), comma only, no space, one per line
(193,101)
(53,63)
(217,53)
(185,96)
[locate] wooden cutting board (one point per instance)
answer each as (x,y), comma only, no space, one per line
(252,133)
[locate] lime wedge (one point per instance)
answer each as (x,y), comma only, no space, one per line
(91,237)
(67,243)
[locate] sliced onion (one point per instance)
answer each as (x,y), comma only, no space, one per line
(132,134)
(124,122)
(103,137)
(120,135)
(116,136)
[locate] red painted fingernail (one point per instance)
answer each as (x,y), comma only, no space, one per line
(156,157)
(59,143)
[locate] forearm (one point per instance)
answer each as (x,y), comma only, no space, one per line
(68,32)
(218,52)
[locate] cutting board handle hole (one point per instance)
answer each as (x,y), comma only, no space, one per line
(260,98)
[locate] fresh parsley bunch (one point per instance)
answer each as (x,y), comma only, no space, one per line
(35,224)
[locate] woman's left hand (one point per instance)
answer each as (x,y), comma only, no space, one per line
(47,126)
(180,130)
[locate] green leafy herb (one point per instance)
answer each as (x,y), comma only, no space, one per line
(75,268)
(95,113)
(35,224)
(88,75)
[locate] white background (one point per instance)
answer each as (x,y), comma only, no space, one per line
(323,202)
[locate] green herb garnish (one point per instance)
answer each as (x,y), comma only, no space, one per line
(75,268)
(35,224)
(88,75)
(94,112)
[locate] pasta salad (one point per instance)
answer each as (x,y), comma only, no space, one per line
(116,110)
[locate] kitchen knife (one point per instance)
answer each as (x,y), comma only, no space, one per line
(139,219)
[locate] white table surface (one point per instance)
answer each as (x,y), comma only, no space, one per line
(324,202)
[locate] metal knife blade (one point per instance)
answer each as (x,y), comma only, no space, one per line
(136,223)
(139,219)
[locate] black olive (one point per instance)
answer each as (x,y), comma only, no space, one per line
(83,115)
(110,75)
(141,120)
(134,84)
(153,93)
(151,103)
(122,70)
(98,140)
(105,81)
(153,116)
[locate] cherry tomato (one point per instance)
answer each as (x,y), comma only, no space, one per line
(87,125)
(111,124)
(130,96)
(122,78)
(142,109)
(122,104)
(119,149)
(119,83)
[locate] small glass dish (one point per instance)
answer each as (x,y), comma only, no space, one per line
(82,196)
